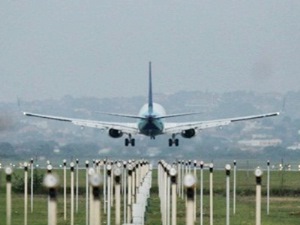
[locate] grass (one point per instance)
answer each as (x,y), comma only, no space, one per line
(284,202)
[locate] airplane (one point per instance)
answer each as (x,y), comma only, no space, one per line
(151,122)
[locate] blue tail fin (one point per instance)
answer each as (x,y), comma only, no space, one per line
(150,100)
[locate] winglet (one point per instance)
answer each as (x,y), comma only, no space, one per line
(150,99)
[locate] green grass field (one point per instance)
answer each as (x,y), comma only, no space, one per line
(284,201)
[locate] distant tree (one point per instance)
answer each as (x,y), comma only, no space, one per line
(18,182)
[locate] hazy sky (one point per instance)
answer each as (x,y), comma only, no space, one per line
(49,49)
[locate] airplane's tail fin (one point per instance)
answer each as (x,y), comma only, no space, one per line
(150,99)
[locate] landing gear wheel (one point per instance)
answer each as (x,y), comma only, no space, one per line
(126,141)
(173,141)
(170,142)
(129,141)
(176,142)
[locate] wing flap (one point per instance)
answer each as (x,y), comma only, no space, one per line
(176,128)
(128,128)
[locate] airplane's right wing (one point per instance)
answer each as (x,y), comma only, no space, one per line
(127,128)
(176,128)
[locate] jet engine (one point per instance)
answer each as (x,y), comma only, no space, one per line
(114,133)
(188,133)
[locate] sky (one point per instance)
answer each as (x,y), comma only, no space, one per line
(49,49)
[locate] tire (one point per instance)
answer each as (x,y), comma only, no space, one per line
(176,142)
(170,142)
(126,141)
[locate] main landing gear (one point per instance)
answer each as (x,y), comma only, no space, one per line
(174,141)
(129,141)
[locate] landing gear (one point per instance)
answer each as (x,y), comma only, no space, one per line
(174,141)
(130,141)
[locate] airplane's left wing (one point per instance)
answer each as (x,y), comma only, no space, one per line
(176,128)
(128,128)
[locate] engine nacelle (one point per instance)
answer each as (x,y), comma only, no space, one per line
(188,133)
(114,133)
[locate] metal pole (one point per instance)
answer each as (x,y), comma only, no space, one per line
(173,174)
(201,193)
(182,176)
(97,166)
(165,194)
(168,194)
(51,182)
(77,162)
(108,169)
(234,186)
(72,192)
(195,202)
(258,174)
(25,192)
(87,193)
(8,171)
(227,169)
(211,207)
(91,207)
(159,171)
(31,185)
(65,189)
(162,191)
(268,187)
(189,183)
(133,183)
(104,186)
(95,182)
(137,176)
(178,176)
(129,203)
(125,192)
(186,172)
(112,186)
(117,177)
(50,214)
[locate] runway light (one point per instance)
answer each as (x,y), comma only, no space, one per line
(51,181)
